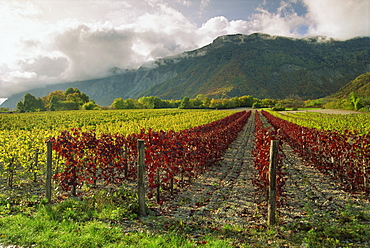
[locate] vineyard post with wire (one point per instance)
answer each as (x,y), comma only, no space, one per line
(140,178)
(48,170)
(272,182)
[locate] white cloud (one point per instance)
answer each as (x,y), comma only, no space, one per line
(55,41)
(14,75)
(45,66)
(284,22)
(93,48)
(21,78)
(186,3)
(217,26)
(204,3)
(341,19)
(17,23)
(70,49)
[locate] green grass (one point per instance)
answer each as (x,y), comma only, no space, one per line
(108,219)
(349,228)
(45,231)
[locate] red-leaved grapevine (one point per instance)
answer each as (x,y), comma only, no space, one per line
(344,157)
(170,156)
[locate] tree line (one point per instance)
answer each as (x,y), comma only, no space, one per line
(71,99)
(203,102)
(74,99)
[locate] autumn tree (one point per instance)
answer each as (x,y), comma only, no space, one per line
(52,100)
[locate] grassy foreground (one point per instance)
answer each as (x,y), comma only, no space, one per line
(108,219)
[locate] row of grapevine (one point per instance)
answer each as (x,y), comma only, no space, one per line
(21,154)
(170,156)
(344,157)
(356,123)
(22,136)
(114,121)
(261,153)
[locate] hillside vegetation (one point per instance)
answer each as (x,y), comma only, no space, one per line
(360,85)
(355,95)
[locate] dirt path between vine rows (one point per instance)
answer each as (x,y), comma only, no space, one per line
(224,195)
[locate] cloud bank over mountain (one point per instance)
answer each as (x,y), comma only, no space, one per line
(47,42)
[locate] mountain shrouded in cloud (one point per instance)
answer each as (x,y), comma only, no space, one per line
(260,65)
(49,42)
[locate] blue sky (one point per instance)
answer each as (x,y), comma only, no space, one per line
(53,41)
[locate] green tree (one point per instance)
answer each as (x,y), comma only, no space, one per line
(313,103)
(247,101)
(90,105)
(195,103)
(130,104)
(151,102)
(51,101)
(355,100)
(20,107)
(71,90)
(231,103)
(54,103)
(31,104)
(75,95)
(118,103)
(68,105)
(4,110)
(205,101)
(268,102)
(185,103)
(172,103)
(216,104)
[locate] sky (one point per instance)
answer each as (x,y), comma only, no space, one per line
(54,41)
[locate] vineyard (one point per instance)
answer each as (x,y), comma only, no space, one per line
(344,157)
(206,169)
(23,136)
(358,123)
(170,156)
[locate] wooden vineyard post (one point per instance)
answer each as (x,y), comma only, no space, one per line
(36,165)
(158,182)
(272,183)
(48,169)
(140,178)
(171,185)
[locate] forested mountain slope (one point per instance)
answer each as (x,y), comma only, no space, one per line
(360,85)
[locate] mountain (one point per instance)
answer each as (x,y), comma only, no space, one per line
(268,67)
(360,85)
(260,65)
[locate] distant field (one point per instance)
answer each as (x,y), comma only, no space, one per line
(112,121)
(323,111)
(326,119)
